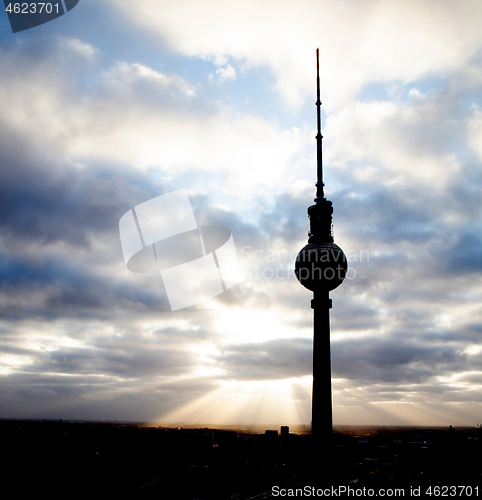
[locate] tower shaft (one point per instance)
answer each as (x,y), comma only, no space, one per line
(321,407)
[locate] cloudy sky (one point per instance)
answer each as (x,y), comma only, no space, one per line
(119,102)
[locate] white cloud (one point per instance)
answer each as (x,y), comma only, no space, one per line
(360,41)
(85,49)
(144,119)
(125,76)
(475,132)
(227,73)
(406,142)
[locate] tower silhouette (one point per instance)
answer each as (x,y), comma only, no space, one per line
(321,266)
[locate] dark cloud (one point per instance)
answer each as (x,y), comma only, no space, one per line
(287,219)
(46,199)
(464,256)
(65,288)
(133,363)
(275,359)
(387,215)
(394,360)
(352,316)
(94,397)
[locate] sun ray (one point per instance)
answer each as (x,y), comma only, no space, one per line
(268,402)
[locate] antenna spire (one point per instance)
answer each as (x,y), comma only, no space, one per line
(320,194)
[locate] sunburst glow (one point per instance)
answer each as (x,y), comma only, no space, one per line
(274,402)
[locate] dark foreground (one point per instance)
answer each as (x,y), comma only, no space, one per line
(107,460)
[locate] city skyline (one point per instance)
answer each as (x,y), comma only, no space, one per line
(106,108)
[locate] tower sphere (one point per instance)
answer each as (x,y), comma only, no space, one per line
(321,266)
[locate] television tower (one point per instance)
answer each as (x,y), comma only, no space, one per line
(321,266)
